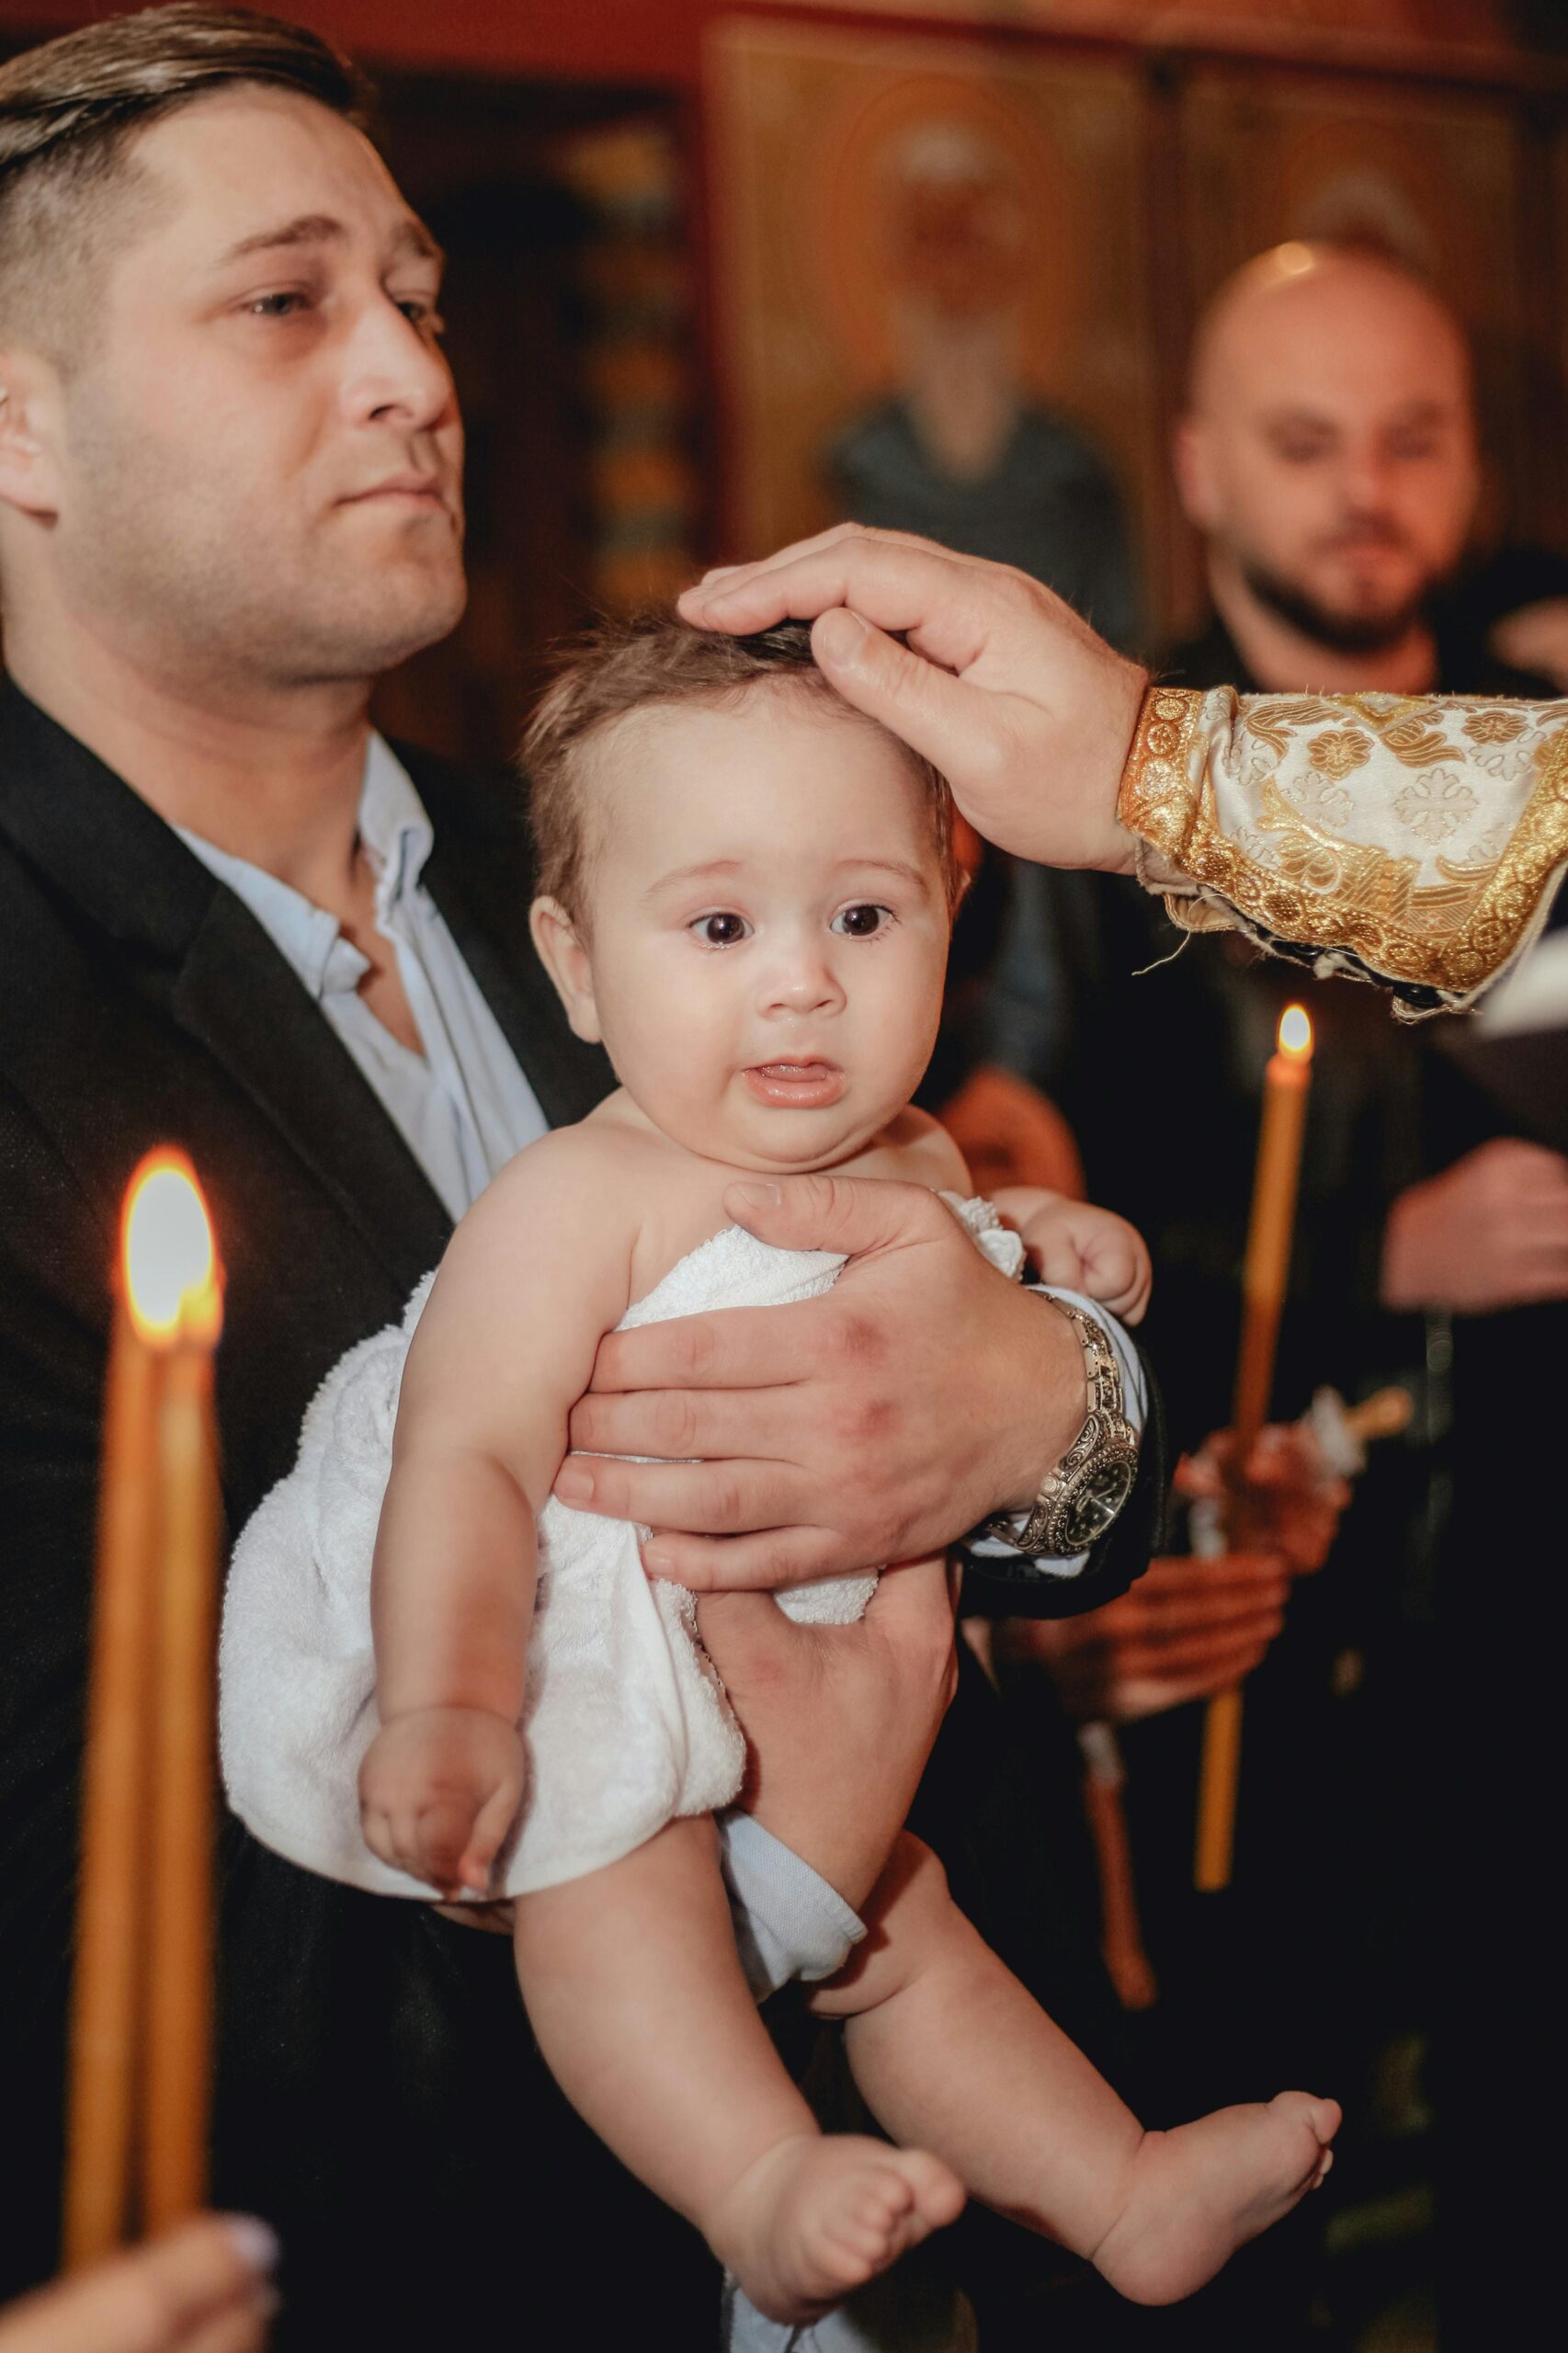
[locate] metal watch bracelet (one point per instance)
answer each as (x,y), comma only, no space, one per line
(1094,1478)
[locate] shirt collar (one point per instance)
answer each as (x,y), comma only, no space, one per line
(394,828)
(398,836)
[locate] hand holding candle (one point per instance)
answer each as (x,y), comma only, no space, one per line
(141,1998)
(1266,1271)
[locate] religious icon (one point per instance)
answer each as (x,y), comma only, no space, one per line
(960,448)
(932,273)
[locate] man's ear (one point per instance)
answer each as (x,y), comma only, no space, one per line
(29,413)
(566,959)
(1193,463)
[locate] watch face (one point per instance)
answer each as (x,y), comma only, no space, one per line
(1096,1505)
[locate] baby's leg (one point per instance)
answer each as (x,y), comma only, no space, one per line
(637,1996)
(949,2051)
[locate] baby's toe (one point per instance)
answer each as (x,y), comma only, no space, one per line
(936,2193)
(857,2248)
(1327,2117)
(872,2216)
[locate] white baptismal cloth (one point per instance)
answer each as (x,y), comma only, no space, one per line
(625,1722)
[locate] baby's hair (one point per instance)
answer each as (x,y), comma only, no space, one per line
(659,659)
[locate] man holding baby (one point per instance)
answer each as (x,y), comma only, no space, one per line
(230,497)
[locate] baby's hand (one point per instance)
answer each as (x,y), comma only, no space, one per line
(438,1791)
(1082,1248)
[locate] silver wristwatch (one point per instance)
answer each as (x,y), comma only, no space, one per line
(1080,1496)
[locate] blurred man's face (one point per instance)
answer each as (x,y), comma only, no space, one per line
(1330,456)
(259,458)
(959,244)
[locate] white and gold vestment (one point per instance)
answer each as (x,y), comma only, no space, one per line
(1411,840)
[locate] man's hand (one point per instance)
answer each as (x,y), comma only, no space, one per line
(839,1720)
(1289,1502)
(203,2287)
(1491,1232)
(1185,1630)
(878,1423)
(1024,710)
(1535,638)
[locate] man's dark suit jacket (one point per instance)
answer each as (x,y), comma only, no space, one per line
(378,2096)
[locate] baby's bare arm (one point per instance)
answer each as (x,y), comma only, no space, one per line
(534,1277)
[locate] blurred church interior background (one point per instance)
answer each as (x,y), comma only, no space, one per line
(687,238)
(709,258)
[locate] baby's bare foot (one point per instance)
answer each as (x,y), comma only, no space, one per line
(1199,2193)
(816,2218)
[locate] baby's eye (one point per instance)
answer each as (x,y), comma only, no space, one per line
(722,930)
(862,921)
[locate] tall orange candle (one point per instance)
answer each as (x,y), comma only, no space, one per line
(141,2001)
(1265,1275)
(179,1941)
(106,1988)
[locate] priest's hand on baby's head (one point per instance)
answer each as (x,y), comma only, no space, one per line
(989,675)
(439,1789)
(1079,1247)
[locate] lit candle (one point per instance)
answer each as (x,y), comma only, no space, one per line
(179,1941)
(110,1903)
(140,1996)
(1267,1270)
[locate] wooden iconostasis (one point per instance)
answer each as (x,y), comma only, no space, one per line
(663,310)
(571,316)
(1137,184)
(671,299)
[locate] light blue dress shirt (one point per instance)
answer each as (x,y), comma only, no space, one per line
(462,1106)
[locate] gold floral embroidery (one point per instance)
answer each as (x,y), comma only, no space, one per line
(1415,744)
(1327,803)
(1157,777)
(1337,755)
(1493,726)
(1363,878)
(1381,710)
(1367,879)
(1437,804)
(1295,882)
(1272,718)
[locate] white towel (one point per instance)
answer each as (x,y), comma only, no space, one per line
(625,1721)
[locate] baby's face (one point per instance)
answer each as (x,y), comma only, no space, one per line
(768,927)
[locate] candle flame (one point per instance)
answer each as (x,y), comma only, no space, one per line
(1296,1033)
(173,1283)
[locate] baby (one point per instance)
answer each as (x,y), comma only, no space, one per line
(746,893)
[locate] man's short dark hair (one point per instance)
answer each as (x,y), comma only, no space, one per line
(71,110)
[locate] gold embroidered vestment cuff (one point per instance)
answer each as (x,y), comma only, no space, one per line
(1404,839)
